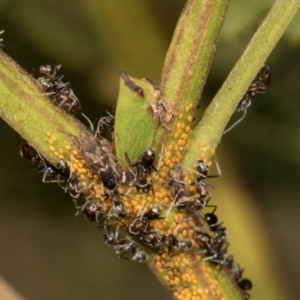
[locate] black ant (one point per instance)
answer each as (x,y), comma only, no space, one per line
(245,285)
(60,174)
(123,247)
(212,221)
(118,209)
(143,170)
(92,211)
(141,224)
(214,247)
(106,123)
(172,242)
(51,71)
(177,184)
(60,92)
(152,239)
(51,173)
(31,155)
(258,86)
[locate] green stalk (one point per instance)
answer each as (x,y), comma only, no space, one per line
(30,113)
(191,51)
(189,57)
(208,133)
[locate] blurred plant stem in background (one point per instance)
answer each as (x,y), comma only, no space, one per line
(126,28)
(7,292)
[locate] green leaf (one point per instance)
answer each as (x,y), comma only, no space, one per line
(134,127)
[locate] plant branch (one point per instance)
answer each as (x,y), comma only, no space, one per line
(188,62)
(207,134)
(24,107)
(191,51)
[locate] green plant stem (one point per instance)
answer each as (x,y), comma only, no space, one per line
(30,113)
(191,51)
(208,132)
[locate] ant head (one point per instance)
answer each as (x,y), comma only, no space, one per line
(245,284)
(202,167)
(51,71)
(148,157)
(155,211)
(211,219)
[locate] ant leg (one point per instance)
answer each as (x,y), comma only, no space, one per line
(89,121)
(236,123)
(243,106)
(217,166)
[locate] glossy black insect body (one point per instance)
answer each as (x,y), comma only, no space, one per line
(92,211)
(118,209)
(124,249)
(28,153)
(142,171)
(141,224)
(173,243)
(204,239)
(152,239)
(245,285)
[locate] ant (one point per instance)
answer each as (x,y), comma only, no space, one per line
(245,285)
(31,155)
(118,209)
(92,211)
(214,247)
(106,123)
(181,200)
(212,221)
(152,239)
(123,247)
(51,71)
(60,92)
(143,170)
(258,86)
(172,243)
(51,173)
(141,224)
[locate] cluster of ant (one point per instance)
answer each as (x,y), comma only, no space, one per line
(135,237)
(214,246)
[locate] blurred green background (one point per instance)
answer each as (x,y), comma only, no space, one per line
(46,253)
